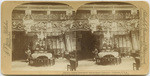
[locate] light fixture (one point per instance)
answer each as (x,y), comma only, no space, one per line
(93,20)
(28,21)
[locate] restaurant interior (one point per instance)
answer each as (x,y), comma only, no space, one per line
(58,29)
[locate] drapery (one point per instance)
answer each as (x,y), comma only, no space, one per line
(70,42)
(127,42)
(55,43)
(135,41)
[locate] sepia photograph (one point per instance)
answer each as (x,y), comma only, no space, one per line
(97,36)
(74,38)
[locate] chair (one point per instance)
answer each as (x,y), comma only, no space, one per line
(68,68)
(134,66)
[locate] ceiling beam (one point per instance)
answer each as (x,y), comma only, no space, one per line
(65,7)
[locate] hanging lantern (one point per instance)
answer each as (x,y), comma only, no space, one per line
(28,21)
(94,22)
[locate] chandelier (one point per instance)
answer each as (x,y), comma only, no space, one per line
(69,20)
(28,21)
(31,25)
(93,20)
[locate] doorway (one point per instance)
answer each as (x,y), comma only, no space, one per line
(85,44)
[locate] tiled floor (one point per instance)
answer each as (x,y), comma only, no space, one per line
(61,65)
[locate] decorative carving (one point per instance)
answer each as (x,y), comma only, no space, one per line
(61,22)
